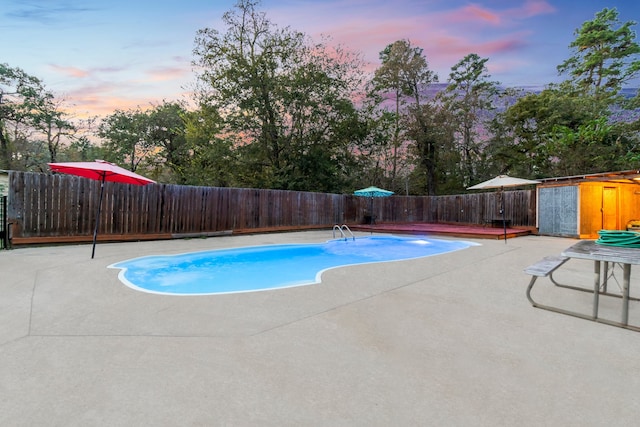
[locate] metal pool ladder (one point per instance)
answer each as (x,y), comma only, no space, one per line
(344,230)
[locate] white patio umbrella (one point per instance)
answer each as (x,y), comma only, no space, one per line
(500,182)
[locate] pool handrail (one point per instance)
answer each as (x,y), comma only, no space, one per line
(342,228)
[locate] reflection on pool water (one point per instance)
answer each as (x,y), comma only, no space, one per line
(258,268)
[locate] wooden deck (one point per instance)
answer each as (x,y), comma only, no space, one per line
(457,230)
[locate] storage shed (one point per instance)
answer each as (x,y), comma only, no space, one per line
(580,206)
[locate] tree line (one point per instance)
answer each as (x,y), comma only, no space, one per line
(272,108)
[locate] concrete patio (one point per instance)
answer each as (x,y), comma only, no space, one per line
(445,340)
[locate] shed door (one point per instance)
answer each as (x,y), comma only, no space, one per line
(610,208)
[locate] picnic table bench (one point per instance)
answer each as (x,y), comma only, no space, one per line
(546,266)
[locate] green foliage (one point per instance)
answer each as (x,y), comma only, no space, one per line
(433,147)
(30,118)
(82,150)
(210,159)
(166,132)
(404,74)
(590,147)
(287,101)
(568,129)
(168,143)
(468,97)
(126,137)
(605,55)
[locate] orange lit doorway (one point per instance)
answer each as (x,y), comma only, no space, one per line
(610,208)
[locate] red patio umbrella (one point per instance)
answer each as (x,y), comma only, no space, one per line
(102,171)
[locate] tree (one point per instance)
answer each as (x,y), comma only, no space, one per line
(404,74)
(154,139)
(569,128)
(50,121)
(14,85)
(469,96)
(30,117)
(83,146)
(429,127)
(591,147)
(287,100)
(126,137)
(20,93)
(373,158)
(166,132)
(523,146)
(81,149)
(605,55)
(210,159)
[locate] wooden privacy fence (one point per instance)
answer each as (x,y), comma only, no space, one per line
(59,208)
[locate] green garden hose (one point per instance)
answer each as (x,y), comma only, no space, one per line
(627,239)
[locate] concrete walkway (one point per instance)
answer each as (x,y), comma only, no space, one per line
(445,340)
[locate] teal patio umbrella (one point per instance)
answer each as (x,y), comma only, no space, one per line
(373,192)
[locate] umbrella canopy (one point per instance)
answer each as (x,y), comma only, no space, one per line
(102,171)
(373,192)
(500,182)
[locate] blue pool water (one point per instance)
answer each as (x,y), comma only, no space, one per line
(269,267)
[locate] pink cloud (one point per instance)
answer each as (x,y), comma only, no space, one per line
(446,35)
(104,98)
(536,7)
(370,34)
(97,97)
(92,104)
(444,50)
(76,72)
(504,66)
(69,71)
(109,69)
(97,87)
(502,45)
(442,47)
(167,73)
(475,13)
(100,91)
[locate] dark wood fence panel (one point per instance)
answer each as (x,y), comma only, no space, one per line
(46,205)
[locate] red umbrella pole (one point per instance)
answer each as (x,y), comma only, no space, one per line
(95,230)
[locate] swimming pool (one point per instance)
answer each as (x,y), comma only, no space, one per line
(258,268)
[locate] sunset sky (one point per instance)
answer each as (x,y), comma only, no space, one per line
(102,55)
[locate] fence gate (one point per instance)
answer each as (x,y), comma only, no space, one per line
(4,228)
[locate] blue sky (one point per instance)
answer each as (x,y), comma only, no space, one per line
(102,55)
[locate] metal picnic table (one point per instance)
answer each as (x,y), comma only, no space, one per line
(603,257)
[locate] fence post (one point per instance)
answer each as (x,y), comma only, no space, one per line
(4,226)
